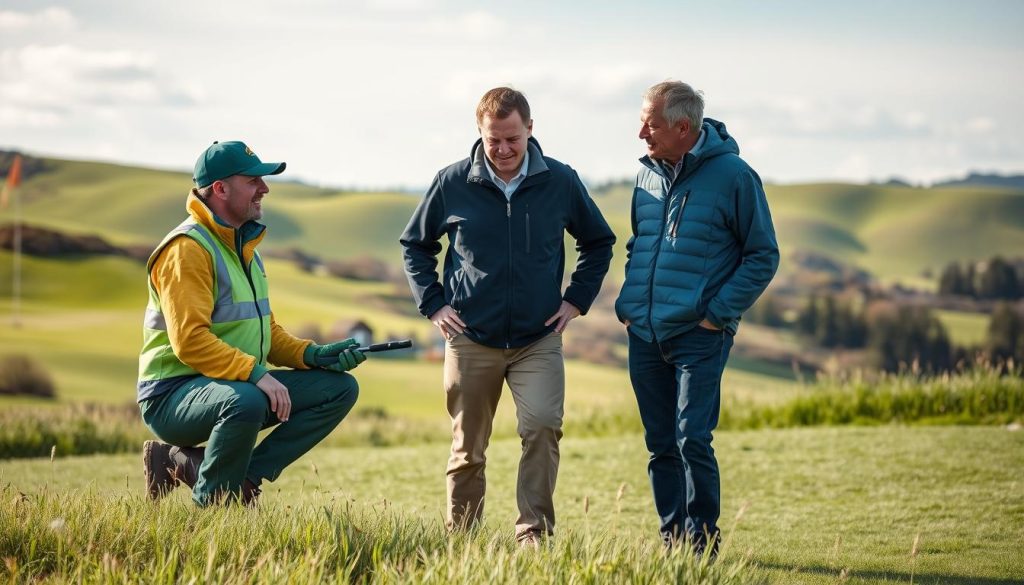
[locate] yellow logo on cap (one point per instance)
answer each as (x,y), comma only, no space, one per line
(249,151)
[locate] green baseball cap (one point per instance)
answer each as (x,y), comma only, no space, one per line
(224,159)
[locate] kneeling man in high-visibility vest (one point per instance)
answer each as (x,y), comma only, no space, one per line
(209,337)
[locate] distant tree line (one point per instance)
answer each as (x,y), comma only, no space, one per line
(897,335)
(831,322)
(893,335)
(995,279)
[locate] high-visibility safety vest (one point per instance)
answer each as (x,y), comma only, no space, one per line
(241,312)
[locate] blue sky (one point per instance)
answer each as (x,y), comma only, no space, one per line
(381,93)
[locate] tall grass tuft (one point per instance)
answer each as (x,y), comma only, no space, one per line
(72,429)
(82,537)
(982,395)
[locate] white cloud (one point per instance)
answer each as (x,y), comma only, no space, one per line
(856,166)
(48,18)
(401,5)
(980,125)
(40,85)
(839,119)
(477,25)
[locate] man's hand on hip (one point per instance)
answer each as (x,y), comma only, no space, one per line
(447,320)
(709,325)
(566,312)
(280,401)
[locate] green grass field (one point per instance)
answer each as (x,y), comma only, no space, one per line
(965,329)
(816,504)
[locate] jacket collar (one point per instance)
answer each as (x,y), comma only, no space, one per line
(478,167)
(247,237)
(717,141)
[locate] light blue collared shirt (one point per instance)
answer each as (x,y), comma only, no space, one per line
(679,165)
(510,187)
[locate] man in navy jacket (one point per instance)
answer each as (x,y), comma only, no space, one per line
(703,249)
(500,306)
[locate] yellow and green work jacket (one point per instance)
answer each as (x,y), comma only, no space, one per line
(209,310)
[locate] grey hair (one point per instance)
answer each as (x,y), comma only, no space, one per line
(680,101)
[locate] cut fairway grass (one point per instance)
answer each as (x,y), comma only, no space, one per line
(813,504)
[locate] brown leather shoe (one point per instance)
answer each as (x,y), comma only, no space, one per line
(158,469)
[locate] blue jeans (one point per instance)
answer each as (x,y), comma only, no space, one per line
(678,385)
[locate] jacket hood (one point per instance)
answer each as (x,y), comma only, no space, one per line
(717,140)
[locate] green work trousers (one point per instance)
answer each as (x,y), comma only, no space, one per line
(228,416)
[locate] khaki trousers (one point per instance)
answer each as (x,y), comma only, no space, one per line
(473,376)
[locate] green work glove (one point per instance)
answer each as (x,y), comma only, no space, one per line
(339,356)
(347,360)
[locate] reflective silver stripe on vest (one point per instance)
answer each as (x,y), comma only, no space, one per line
(155,320)
(223,280)
(239,311)
(224,309)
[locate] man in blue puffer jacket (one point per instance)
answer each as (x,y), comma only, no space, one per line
(703,249)
(500,304)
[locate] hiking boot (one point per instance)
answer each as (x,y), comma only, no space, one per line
(158,469)
(165,466)
(186,462)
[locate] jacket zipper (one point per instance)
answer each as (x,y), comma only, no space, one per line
(679,214)
(527,228)
(511,280)
(654,267)
(252,287)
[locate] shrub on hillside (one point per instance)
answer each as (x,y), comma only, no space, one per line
(308,330)
(20,374)
(361,268)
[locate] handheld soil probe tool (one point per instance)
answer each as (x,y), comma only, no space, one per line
(386,346)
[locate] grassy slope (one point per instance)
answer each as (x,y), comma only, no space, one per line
(965,329)
(819,500)
(71,304)
(899,231)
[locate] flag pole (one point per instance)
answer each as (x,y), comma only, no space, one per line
(10,190)
(16,288)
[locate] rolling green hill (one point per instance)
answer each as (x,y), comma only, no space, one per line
(892,231)
(895,232)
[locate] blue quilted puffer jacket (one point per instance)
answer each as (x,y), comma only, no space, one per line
(703,245)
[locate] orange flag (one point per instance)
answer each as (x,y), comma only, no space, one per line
(13,178)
